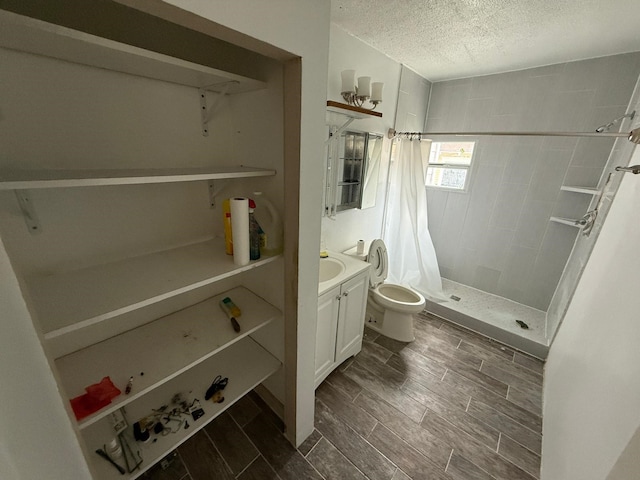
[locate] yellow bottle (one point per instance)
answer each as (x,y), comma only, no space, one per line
(226,218)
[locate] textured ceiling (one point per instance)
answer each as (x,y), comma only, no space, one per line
(446,39)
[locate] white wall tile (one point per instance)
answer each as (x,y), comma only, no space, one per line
(564,97)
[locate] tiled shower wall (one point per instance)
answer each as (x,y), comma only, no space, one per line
(497,236)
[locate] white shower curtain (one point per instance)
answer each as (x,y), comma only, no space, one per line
(412,258)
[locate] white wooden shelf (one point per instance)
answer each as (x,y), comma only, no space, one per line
(586,190)
(30,179)
(245,363)
(565,221)
(162,349)
(30,35)
(78,299)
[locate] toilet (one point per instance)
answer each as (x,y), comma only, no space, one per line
(390,308)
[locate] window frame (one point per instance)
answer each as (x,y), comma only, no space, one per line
(469,168)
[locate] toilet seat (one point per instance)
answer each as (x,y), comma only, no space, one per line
(389,295)
(379,263)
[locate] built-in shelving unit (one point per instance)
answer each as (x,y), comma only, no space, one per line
(182,339)
(96,294)
(35,36)
(245,364)
(85,315)
(30,179)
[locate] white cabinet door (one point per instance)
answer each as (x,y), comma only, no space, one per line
(351,318)
(328,310)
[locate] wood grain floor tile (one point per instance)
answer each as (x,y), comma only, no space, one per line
(528,401)
(515,370)
(391,344)
(369,335)
(400,475)
(411,362)
(443,352)
(479,340)
(332,464)
(259,470)
(344,384)
(483,379)
(202,459)
(374,351)
(485,458)
(521,456)
(477,392)
(513,380)
(287,462)
(244,410)
(353,446)
(404,455)
(386,383)
(428,329)
(425,394)
(469,424)
(231,442)
(350,414)
(484,353)
(310,442)
(430,318)
(504,424)
(533,364)
(460,468)
(436,449)
(266,410)
(175,471)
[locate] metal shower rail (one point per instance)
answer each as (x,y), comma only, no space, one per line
(633,136)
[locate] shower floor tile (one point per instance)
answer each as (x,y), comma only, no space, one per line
(494,316)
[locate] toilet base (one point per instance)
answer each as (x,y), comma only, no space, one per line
(395,325)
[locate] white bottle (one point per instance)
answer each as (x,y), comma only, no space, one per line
(114,449)
(270,223)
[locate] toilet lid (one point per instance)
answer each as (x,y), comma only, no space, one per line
(379,262)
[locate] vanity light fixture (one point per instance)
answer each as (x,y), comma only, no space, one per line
(358,94)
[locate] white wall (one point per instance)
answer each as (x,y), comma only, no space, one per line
(347,52)
(36,436)
(592,375)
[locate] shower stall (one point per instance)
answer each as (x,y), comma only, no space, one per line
(512,247)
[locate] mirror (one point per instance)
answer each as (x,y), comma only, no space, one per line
(353,166)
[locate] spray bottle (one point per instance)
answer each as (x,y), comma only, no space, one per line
(269,220)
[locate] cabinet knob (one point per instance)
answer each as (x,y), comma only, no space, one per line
(346,294)
(338,297)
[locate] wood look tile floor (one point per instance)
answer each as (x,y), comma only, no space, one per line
(451,405)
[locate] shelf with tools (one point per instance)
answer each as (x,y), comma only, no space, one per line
(162,350)
(244,363)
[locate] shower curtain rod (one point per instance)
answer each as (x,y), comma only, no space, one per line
(633,136)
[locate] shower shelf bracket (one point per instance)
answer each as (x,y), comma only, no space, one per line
(586,190)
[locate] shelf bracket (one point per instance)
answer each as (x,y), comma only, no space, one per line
(28,212)
(213,192)
(206,113)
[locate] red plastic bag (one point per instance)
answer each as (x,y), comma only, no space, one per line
(98,395)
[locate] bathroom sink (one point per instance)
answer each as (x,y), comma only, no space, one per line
(330,268)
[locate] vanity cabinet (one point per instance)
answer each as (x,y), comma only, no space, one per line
(340,324)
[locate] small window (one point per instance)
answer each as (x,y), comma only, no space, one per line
(449,164)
